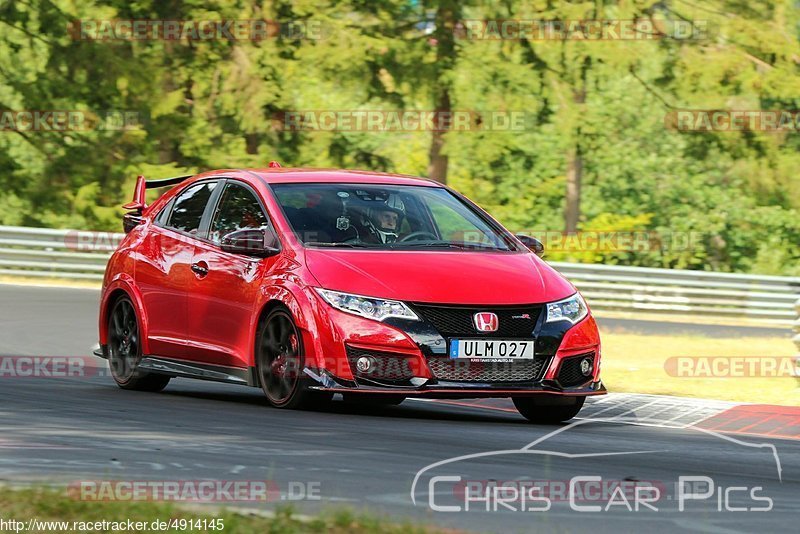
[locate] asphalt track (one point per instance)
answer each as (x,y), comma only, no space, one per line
(62,430)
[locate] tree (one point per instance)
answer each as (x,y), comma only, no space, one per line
(594,153)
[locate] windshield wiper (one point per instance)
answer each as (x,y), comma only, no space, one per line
(446,244)
(343,245)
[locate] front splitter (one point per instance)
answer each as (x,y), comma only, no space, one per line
(453,390)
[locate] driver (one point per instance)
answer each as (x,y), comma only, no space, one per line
(385,220)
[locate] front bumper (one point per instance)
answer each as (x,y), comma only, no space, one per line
(411,358)
(439,389)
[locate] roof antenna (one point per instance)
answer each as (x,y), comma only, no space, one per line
(274,165)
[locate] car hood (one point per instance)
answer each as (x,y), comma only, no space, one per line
(481,278)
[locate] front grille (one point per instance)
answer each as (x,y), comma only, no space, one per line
(570,375)
(455,321)
(464,370)
(386,366)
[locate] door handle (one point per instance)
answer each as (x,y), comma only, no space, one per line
(199,269)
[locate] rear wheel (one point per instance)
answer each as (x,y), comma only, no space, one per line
(280,360)
(125,350)
(548,409)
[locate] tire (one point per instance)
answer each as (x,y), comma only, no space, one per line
(125,350)
(548,410)
(280,360)
(375,400)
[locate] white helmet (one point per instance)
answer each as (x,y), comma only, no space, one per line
(387,218)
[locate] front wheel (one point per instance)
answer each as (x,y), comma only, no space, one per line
(125,350)
(547,409)
(280,359)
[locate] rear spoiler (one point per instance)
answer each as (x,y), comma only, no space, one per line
(137,205)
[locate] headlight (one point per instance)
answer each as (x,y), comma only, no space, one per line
(572,309)
(371,308)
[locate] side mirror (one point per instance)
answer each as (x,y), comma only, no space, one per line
(532,243)
(249,242)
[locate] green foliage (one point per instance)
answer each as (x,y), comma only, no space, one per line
(725,201)
(12,209)
(51,505)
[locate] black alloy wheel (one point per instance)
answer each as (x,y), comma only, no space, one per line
(125,350)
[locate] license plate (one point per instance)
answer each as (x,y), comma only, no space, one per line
(491,349)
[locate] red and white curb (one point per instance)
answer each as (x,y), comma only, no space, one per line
(682,412)
(782,422)
(653,410)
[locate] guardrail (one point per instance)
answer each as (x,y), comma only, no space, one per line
(767,299)
(797,338)
(44,252)
(36,252)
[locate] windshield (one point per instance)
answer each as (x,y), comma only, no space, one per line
(385,217)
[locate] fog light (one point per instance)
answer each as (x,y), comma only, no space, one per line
(586,366)
(364,364)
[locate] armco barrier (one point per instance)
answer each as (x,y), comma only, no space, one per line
(36,252)
(699,293)
(797,337)
(44,252)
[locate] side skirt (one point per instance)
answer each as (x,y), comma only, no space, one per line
(201,371)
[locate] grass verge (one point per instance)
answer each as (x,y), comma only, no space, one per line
(53,505)
(634,363)
(49,282)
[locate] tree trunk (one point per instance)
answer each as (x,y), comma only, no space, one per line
(437,162)
(251,142)
(572,211)
(447,15)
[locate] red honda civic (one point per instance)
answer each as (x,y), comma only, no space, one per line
(307,283)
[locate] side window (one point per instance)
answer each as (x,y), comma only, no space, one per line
(238,210)
(163,215)
(189,207)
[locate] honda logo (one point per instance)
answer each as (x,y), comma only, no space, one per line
(486,322)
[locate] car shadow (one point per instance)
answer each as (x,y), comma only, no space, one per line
(410,409)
